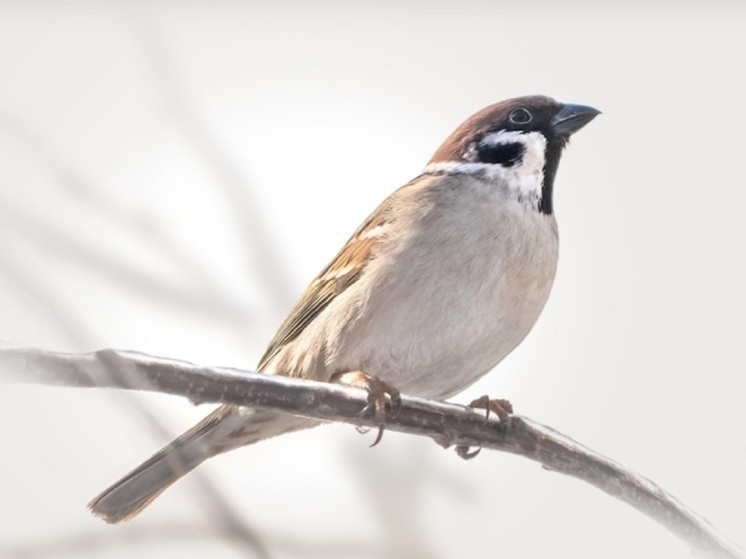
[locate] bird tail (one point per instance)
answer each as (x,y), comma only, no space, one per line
(228,427)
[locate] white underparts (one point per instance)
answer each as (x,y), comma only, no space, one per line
(525,177)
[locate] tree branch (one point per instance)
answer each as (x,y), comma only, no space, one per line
(447,424)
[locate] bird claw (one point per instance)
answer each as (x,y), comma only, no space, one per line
(503,409)
(463,451)
(380,395)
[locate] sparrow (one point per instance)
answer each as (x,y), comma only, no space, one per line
(442,281)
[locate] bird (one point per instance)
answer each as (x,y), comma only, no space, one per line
(442,281)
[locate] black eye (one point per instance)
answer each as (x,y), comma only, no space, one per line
(506,155)
(520,116)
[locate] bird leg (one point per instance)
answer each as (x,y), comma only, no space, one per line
(503,409)
(380,394)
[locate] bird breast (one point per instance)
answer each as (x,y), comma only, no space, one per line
(464,278)
(458,280)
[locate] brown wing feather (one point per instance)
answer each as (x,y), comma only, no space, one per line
(341,273)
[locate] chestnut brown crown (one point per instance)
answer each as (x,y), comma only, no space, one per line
(535,113)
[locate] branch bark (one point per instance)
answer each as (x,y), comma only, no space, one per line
(447,424)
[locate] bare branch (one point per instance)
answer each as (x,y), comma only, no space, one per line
(447,424)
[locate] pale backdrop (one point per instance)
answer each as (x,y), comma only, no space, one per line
(173,174)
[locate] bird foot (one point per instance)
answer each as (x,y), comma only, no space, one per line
(380,395)
(503,409)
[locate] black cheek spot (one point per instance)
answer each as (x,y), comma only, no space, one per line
(506,155)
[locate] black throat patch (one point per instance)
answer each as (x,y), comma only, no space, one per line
(555,144)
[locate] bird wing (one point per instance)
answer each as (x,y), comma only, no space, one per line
(342,272)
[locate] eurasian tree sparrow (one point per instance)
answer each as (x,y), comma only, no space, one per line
(435,288)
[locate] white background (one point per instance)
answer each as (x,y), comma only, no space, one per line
(173,174)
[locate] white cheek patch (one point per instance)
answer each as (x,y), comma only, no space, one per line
(524,177)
